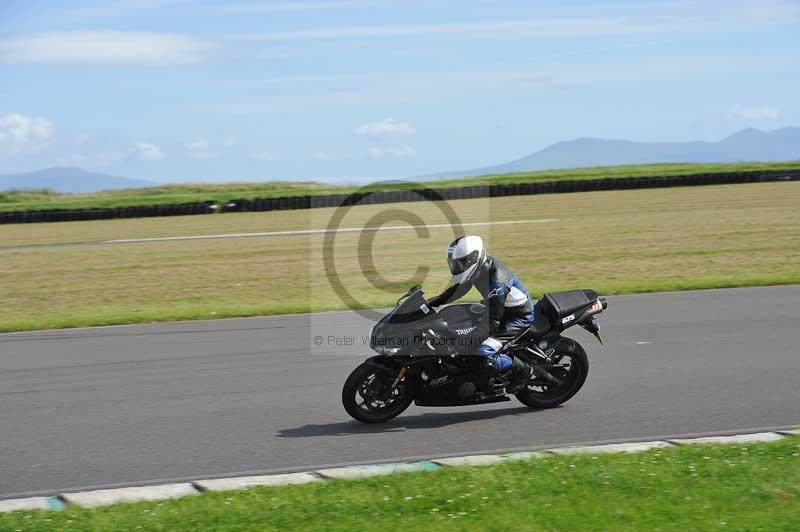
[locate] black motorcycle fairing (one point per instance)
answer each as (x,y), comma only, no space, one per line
(450,381)
(574,307)
(385,363)
(399,327)
(466,320)
(412,322)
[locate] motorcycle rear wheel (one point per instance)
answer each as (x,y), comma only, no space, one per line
(364,395)
(545,395)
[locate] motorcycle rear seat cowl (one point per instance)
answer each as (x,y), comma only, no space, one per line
(561,304)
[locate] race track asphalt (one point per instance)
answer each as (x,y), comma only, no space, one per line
(142,404)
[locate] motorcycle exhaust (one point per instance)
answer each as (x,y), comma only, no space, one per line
(542,373)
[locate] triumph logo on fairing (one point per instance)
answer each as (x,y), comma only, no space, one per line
(466,331)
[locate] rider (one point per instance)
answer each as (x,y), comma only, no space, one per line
(511,309)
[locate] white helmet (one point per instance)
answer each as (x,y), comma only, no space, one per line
(465,255)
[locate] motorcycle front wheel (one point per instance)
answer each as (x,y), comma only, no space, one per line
(367,395)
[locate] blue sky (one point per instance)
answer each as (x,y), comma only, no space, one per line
(176,90)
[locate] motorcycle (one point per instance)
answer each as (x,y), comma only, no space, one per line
(428,357)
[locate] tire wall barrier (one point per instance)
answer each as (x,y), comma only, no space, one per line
(143,211)
(397,196)
(520,189)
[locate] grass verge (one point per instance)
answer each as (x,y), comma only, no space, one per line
(615,242)
(697,487)
(192,192)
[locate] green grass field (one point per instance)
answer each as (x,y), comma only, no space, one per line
(186,193)
(615,242)
(698,487)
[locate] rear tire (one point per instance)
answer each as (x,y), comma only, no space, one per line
(538,396)
(366,384)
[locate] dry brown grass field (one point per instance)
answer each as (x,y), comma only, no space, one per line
(615,242)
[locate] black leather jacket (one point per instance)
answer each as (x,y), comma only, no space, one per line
(503,293)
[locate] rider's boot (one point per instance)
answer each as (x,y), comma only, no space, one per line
(520,375)
(484,376)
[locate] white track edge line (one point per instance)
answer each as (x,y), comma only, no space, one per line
(300,232)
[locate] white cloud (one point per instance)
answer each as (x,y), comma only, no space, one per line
(386,128)
(94,160)
(328,156)
(111,9)
(646,19)
(556,21)
(20,129)
(198,144)
(144,151)
(80,140)
(203,155)
(273,7)
(105,47)
(264,156)
(755,113)
(396,153)
(545,27)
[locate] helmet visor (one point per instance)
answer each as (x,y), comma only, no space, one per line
(458,266)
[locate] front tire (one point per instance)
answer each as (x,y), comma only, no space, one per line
(571,367)
(365,396)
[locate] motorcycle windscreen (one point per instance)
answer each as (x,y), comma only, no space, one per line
(398,328)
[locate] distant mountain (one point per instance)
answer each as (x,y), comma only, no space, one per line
(746,145)
(67,179)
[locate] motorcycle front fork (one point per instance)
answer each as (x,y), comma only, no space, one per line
(400,376)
